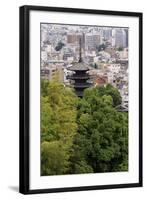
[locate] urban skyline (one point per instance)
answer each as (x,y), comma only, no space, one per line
(104,49)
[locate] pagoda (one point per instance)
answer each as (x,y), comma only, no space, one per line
(80,77)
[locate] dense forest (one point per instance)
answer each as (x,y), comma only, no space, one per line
(82,135)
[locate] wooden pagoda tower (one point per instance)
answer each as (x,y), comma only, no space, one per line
(80,77)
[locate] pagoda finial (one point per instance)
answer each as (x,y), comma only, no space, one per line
(80,49)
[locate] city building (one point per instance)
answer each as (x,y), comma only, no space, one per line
(52,72)
(103,49)
(92,41)
(123,54)
(120,38)
(107,33)
(101,81)
(74,38)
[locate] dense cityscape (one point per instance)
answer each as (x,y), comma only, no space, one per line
(104,49)
(84,99)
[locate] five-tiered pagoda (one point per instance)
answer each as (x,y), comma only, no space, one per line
(80,77)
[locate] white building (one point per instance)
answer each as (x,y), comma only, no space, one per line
(114,68)
(49,48)
(110,76)
(123,54)
(44,56)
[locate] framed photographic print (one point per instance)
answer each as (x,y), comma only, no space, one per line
(80,99)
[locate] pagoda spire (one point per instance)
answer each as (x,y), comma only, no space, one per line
(80,51)
(80,78)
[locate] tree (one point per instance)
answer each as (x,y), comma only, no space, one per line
(102,139)
(82,135)
(54,158)
(113,92)
(58,124)
(59,46)
(101,47)
(44,87)
(95,66)
(120,49)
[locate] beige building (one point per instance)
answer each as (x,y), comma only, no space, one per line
(53,72)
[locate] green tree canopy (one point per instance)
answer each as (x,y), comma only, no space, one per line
(82,135)
(108,90)
(102,139)
(59,46)
(58,121)
(54,158)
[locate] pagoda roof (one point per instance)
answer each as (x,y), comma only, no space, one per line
(74,77)
(80,66)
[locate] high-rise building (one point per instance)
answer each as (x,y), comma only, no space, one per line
(107,33)
(126,31)
(92,41)
(74,38)
(71,38)
(120,38)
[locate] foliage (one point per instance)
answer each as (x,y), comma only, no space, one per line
(120,49)
(101,47)
(58,122)
(59,46)
(113,92)
(82,135)
(102,139)
(54,158)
